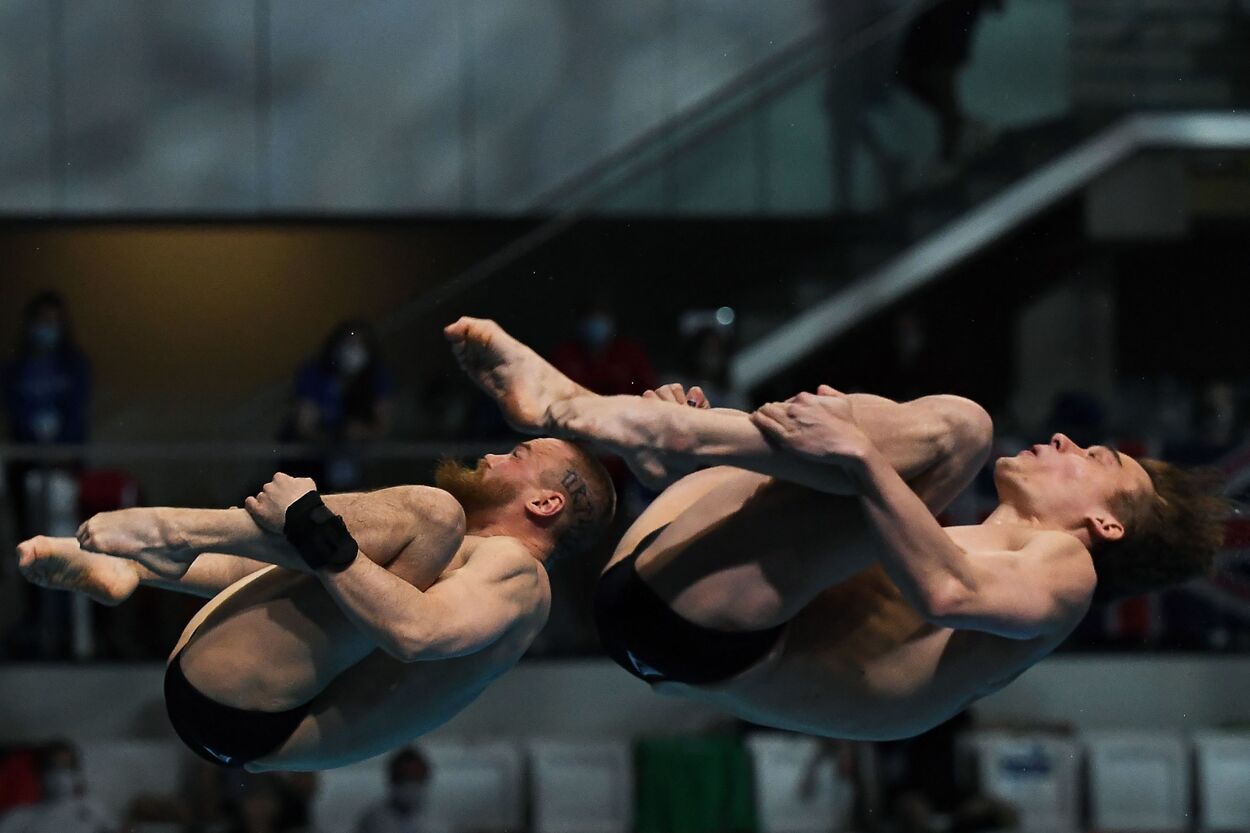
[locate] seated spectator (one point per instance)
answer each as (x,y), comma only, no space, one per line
(608,363)
(343,397)
(296,792)
(924,795)
(64,806)
(47,385)
(707,349)
(400,811)
(603,360)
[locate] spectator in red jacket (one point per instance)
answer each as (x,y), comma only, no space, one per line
(603,360)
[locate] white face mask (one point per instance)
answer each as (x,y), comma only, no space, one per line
(60,784)
(352,358)
(597,329)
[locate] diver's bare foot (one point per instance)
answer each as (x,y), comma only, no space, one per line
(523,383)
(60,564)
(146,535)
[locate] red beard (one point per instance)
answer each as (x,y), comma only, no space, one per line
(470,487)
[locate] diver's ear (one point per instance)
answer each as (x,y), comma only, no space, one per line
(1104,527)
(547,504)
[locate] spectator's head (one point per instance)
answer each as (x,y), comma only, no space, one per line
(596,324)
(351,349)
(45,323)
(545,489)
(409,777)
(61,771)
(707,341)
(1148,524)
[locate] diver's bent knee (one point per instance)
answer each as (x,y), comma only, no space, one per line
(968,429)
(436,511)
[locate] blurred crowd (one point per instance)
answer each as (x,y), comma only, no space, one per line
(46,790)
(342,400)
(691,783)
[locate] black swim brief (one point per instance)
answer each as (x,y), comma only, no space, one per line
(644,636)
(224,735)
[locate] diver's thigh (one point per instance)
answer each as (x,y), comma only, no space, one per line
(750,552)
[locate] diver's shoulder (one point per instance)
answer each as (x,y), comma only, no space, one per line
(1060,544)
(1070,566)
(504,551)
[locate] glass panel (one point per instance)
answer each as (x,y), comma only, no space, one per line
(25,132)
(159,106)
(367,112)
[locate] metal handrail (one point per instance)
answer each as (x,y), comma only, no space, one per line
(932,256)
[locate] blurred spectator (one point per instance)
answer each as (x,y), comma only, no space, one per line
(401,810)
(920,787)
(933,54)
(608,363)
(258,806)
(203,788)
(603,360)
(1215,428)
(19,778)
(296,793)
(240,802)
(707,341)
(446,409)
(47,386)
(343,398)
(64,806)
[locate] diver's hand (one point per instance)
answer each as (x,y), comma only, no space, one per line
(678,395)
(818,426)
(268,507)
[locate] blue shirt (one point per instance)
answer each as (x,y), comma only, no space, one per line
(46,395)
(325,390)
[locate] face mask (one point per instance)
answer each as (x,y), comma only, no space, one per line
(45,336)
(597,330)
(352,358)
(408,796)
(59,784)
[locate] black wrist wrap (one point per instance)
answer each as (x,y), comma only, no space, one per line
(318,535)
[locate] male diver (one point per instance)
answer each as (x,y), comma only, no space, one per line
(341,627)
(799,579)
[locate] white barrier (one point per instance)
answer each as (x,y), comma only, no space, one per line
(1038,774)
(797,788)
(1138,781)
(118,771)
(1223,780)
(478,787)
(344,794)
(582,787)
